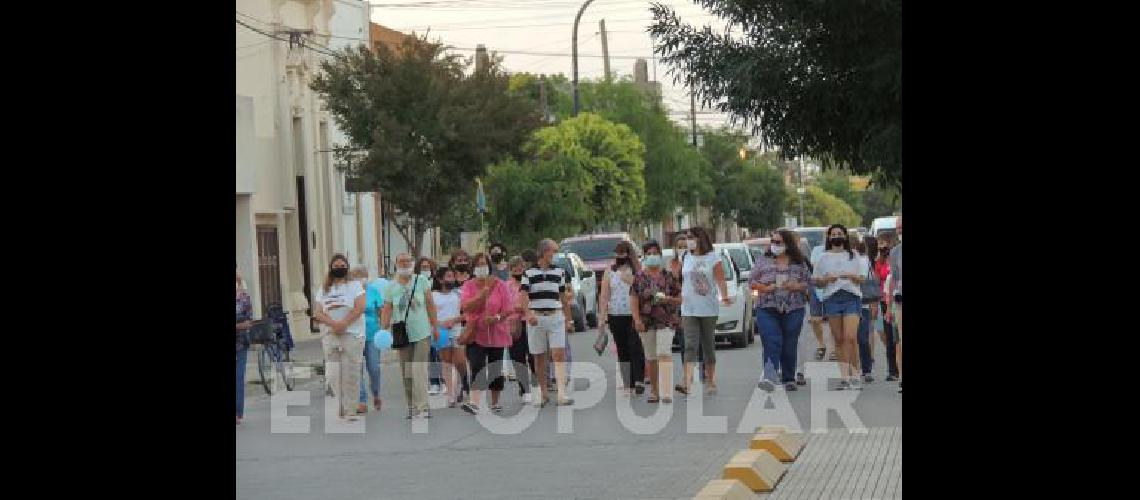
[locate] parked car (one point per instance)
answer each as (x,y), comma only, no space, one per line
(813,235)
(883,225)
(597,250)
(758,246)
(734,324)
(583,282)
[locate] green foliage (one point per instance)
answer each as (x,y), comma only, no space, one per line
(611,153)
(747,190)
(418,123)
(822,208)
(673,168)
(584,171)
(879,202)
(838,184)
(823,78)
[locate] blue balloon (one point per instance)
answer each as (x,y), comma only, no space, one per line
(383,340)
(444,335)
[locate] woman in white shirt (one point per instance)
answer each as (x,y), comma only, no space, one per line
(840,272)
(446,297)
(702,277)
(340,309)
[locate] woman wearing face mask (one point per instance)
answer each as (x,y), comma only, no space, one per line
(655,297)
(614,311)
(460,264)
(521,358)
(446,298)
(868,250)
(489,308)
(340,308)
(426,268)
(782,283)
(372,303)
(703,277)
(408,296)
(886,331)
(840,274)
(244,323)
(499,266)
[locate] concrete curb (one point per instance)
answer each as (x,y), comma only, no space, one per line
(757,469)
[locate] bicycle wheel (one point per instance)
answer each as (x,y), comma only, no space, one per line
(279,355)
(263,368)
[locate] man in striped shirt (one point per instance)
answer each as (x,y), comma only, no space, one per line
(547,301)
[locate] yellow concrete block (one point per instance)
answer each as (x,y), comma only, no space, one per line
(777,428)
(785,447)
(757,469)
(725,489)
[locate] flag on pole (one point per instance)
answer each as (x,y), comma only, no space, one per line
(480,198)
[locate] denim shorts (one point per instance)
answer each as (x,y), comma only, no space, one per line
(842,303)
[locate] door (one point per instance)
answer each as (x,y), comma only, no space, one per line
(268,266)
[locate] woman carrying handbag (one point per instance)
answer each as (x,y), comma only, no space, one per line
(408,298)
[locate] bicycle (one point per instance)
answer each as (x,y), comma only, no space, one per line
(273,335)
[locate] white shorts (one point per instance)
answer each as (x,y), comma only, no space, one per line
(549,333)
(657,342)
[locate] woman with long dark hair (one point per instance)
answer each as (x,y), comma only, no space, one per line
(782,281)
(886,328)
(446,297)
(702,279)
(614,310)
(339,307)
(839,273)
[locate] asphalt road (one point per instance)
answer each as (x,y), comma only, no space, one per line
(453,455)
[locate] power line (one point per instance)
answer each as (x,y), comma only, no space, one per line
(530,53)
(293,39)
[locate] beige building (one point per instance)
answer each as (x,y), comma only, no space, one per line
(292,213)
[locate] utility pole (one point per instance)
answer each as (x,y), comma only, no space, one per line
(693,114)
(801,191)
(574,55)
(605,49)
(542,96)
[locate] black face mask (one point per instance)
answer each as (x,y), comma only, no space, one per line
(339,272)
(451,284)
(623,261)
(496,257)
(463,268)
(836,242)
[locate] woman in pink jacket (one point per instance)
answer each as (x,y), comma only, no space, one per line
(488,305)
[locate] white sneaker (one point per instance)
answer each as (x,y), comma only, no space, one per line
(527,398)
(433,390)
(856,384)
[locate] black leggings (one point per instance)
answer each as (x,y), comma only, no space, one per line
(486,363)
(631,355)
(521,356)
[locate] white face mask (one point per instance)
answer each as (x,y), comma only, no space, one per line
(481,272)
(777,249)
(404,271)
(692,245)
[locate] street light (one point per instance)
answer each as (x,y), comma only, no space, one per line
(574,50)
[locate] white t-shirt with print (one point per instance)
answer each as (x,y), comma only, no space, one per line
(700,294)
(338,303)
(836,263)
(446,304)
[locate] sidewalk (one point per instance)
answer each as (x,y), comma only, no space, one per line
(306,352)
(840,464)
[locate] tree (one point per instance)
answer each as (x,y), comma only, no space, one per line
(838,184)
(823,78)
(419,126)
(879,202)
(749,191)
(582,172)
(613,156)
(823,209)
(673,167)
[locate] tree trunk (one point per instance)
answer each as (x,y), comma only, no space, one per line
(414,238)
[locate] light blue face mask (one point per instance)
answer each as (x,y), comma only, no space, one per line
(651,260)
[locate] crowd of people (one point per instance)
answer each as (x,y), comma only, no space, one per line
(474,319)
